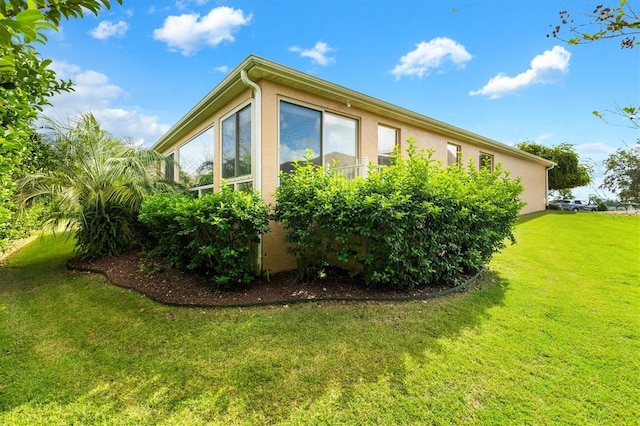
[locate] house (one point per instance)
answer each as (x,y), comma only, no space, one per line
(264,115)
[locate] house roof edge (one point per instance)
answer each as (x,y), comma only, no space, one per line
(258,68)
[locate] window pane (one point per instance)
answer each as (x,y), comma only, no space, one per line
(245,186)
(196,160)
(236,144)
(168,168)
(244,142)
(229,147)
(453,154)
(486,160)
(299,131)
(387,140)
(340,138)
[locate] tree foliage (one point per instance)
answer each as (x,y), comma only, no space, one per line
(97,188)
(605,22)
(622,174)
(568,172)
(26,81)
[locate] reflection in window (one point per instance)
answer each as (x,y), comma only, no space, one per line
(454,153)
(485,160)
(236,144)
(340,138)
(387,141)
(195,160)
(299,132)
(330,138)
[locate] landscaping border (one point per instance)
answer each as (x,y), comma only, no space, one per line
(283,302)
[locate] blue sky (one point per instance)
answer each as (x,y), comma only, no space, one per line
(483,65)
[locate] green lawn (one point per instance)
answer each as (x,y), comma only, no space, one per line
(549,335)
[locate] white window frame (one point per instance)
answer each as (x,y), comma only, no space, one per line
(322,111)
(164,164)
(493,160)
(202,188)
(237,181)
(458,154)
(396,144)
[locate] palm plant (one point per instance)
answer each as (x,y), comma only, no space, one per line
(97,187)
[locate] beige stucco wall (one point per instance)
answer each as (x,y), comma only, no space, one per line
(274,255)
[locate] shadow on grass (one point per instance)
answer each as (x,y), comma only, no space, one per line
(337,345)
(263,361)
(34,263)
(536,215)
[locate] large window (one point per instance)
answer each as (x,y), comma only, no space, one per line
(195,160)
(387,141)
(485,160)
(236,144)
(330,138)
(454,154)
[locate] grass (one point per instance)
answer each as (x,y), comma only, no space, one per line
(549,335)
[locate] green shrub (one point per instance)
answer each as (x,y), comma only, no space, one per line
(105,231)
(306,202)
(215,233)
(411,223)
(602,206)
(22,223)
(162,217)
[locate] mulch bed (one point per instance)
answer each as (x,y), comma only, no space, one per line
(175,287)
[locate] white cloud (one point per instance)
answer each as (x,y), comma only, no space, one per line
(222,68)
(319,54)
(431,55)
(93,93)
(188,32)
(143,129)
(547,68)
(108,29)
(594,148)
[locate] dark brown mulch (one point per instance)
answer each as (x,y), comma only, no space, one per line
(170,286)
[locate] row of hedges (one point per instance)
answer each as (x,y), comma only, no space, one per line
(215,233)
(411,223)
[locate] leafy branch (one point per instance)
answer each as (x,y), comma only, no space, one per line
(630,113)
(604,22)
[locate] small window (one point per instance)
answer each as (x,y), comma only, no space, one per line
(485,160)
(454,154)
(387,141)
(169,173)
